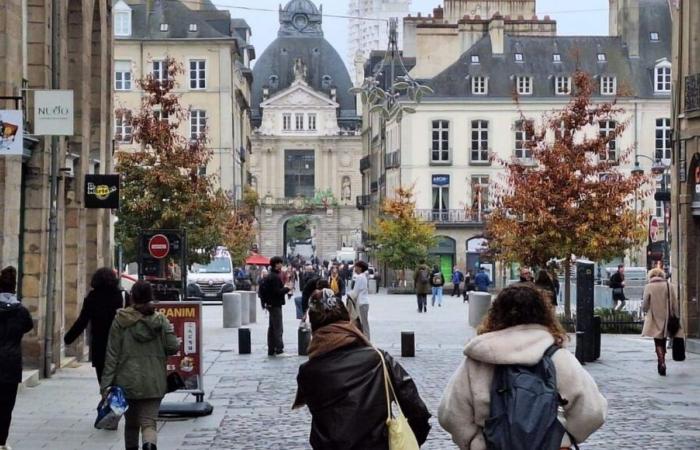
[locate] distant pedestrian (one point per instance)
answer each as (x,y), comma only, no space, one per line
(140,342)
(15,321)
(617,284)
(360,293)
(437,281)
(98,311)
(660,304)
(519,329)
(272,296)
(336,282)
(482,281)
(468,285)
(544,282)
(457,278)
(421,280)
(343,385)
(526,275)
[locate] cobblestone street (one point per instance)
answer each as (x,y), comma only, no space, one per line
(253,394)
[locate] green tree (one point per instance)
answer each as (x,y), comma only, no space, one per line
(574,199)
(163,186)
(402,239)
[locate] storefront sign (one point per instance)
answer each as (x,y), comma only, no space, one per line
(53,113)
(441,180)
(187,323)
(11,132)
(102,191)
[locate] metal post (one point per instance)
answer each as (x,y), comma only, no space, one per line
(667,264)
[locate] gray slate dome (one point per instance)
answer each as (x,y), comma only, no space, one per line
(300,37)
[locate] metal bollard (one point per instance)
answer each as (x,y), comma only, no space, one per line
(232,310)
(304,339)
(245,307)
(408,344)
(244,341)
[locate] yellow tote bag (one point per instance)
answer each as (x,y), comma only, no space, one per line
(401,435)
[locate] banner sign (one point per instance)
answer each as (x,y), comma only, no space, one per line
(441,180)
(102,191)
(53,113)
(11,132)
(186,318)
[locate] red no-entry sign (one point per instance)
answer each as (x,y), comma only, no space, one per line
(159,246)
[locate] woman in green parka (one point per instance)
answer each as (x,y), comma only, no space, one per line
(140,342)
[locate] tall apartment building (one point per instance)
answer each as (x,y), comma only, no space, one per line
(370,30)
(215,52)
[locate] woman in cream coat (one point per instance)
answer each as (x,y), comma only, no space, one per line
(519,328)
(658,295)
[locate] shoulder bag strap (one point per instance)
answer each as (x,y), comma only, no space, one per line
(388,387)
(670,307)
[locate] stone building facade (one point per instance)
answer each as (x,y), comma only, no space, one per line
(84,52)
(306,147)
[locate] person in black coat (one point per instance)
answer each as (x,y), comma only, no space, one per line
(545,283)
(342,384)
(272,296)
(99,308)
(15,321)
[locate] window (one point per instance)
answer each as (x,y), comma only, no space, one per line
(440,150)
(524,85)
(479,85)
(556,57)
(312,122)
(518,57)
(161,116)
(608,85)
(122,128)
(662,78)
(662,181)
(198,74)
(299,171)
(160,71)
(607,129)
(480,141)
(441,197)
(521,139)
(562,85)
(601,57)
(122,75)
(663,140)
(198,123)
(122,23)
(653,36)
(475,59)
(193,27)
(286,121)
(298,122)
(163,27)
(480,192)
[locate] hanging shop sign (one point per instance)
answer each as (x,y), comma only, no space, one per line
(102,191)
(11,132)
(53,113)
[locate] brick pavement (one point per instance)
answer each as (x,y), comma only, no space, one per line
(252,394)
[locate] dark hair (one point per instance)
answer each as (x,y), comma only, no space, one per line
(8,280)
(436,268)
(322,284)
(320,317)
(105,279)
(543,278)
(362,265)
(276,260)
(522,304)
(620,266)
(142,297)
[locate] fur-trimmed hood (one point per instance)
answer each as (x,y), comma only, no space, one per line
(522,344)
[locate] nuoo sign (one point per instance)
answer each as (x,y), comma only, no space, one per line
(53,113)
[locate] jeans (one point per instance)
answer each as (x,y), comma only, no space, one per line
(364,319)
(8,395)
(299,307)
(275,345)
(437,294)
(422,302)
(141,416)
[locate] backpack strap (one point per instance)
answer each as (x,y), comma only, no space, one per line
(551,350)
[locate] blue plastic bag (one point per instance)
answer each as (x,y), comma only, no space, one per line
(111,409)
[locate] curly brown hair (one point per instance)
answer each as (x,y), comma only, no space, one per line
(522,304)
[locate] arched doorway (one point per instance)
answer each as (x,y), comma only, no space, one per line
(444,255)
(476,247)
(299,236)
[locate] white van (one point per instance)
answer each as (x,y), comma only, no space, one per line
(211,281)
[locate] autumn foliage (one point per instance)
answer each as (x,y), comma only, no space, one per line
(572,198)
(163,186)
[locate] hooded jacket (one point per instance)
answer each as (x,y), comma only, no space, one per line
(466,401)
(15,321)
(137,352)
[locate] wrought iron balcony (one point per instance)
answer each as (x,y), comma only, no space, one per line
(692,92)
(392,160)
(362,201)
(452,216)
(365,163)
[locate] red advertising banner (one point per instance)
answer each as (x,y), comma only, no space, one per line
(186,318)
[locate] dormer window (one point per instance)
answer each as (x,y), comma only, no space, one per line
(274,81)
(163,27)
(122,19)
(556,57)
(654,36)
(524,85)
(562,85)
(475,59)
(601,57)
(326,82)
(193,27)
(662,77)
(519,57)
(608,85)
(480,85)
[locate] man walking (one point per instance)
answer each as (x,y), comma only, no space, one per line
(421,280)
(457,278)
(437,281)
(617,284)
(482,280)
(272,295)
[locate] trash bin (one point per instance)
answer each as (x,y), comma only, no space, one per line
(479,304)
(232,309)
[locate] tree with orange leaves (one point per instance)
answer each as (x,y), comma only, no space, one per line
(573,199)
(163,186)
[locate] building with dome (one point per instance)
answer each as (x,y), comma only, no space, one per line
(306,141)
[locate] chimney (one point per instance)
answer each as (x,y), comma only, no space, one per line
(624,22)
(438,13)
(496,32)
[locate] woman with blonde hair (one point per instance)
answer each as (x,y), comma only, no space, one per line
(660,305)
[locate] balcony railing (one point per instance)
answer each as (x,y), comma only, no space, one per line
(451,216)
(365,163)
(373,186)
(392,160)
(362,201)
(692,92)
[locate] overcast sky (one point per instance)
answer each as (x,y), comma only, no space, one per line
(574,17)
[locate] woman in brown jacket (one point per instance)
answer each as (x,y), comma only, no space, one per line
(659,296)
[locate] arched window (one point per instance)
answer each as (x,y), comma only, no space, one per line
(122,19)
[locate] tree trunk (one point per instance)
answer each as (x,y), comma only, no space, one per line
(567,289)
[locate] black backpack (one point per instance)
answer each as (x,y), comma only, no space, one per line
(524,407)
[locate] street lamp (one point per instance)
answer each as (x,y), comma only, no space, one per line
(658,168)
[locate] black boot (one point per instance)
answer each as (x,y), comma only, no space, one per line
(149,446)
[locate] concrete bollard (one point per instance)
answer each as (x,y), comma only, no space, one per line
(232,310)
(244,341)
(408,344)
(253,307)
(245,307)
(479,304)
